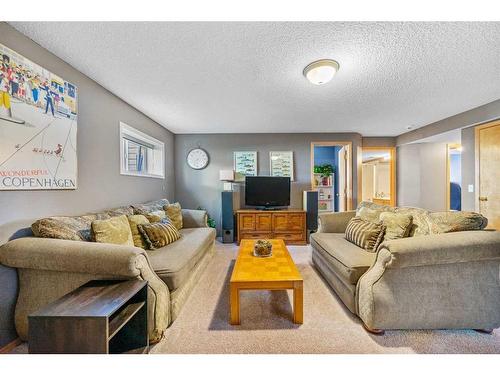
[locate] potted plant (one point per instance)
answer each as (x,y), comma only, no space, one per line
(326,172)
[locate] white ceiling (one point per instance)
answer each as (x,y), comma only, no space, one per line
(247,77)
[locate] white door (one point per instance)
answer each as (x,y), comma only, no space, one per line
(342,157)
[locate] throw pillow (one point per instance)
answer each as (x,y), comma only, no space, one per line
(456,221)
(76,228)
(157,235)
(156,216)
(174,213)
(397,225)
(140,209)
(115,230)
(134,221)
(364,234)
(369,214)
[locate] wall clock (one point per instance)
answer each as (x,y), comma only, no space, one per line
(197,158)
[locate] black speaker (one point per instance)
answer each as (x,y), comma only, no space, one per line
(310,205)
(230,203)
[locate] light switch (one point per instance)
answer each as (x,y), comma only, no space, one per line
(471,188)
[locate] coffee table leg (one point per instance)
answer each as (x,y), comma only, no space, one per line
(298,302)
(235,304)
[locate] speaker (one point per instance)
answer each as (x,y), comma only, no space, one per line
(230,203)
(310,205)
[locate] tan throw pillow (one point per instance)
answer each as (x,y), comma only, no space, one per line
(156,216)
(115,230)
(369,214)
(364,234)
(157,235)
(174,213)
(456,221)
(134,221)
(396,225)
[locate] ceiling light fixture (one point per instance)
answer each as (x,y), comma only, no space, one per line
(321,71)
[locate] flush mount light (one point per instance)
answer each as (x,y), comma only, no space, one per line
(321,71)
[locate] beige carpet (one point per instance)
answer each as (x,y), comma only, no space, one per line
(329,327)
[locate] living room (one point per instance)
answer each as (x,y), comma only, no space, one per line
(249,187)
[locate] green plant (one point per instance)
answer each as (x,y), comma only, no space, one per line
(325,169)
(210,221)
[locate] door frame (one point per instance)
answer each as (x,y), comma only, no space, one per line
(477,166)
(349,165)
(449,147)
(392,153)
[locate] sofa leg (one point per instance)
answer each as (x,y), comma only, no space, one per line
(486,331)
(373,331)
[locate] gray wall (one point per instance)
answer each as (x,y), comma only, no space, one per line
(100,184)
(421,175)
(475,116)
(202,188)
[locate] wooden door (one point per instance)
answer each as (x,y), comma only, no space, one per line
(488,146)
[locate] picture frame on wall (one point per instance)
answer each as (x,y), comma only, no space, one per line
(38,122)
(245,164)
(281,164)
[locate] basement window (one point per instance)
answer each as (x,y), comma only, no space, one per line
(140,154)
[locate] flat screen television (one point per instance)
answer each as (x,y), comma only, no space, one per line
(264,191)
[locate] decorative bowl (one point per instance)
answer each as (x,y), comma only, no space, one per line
(263,249)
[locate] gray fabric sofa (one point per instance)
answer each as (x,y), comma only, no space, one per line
(49,268)
(432,281)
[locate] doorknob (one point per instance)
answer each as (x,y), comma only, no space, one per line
(483,199)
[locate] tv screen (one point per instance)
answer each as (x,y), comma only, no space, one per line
(267,191)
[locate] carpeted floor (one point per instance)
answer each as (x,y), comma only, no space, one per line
(203,325)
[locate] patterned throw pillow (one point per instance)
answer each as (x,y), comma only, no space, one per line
(141,209)
(115,230)
(157,235)
(174,213)
(156,216)
(76,228)
(364,234)
(134,221)
(397,225)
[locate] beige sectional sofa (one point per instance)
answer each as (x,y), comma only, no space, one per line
(430,280)
(48,268)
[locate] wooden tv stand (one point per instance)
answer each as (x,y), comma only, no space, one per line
(289,225)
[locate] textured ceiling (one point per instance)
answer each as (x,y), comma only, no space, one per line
(247,77)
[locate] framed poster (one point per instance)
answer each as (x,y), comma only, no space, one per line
(281,163)
(38,123)
(245,163)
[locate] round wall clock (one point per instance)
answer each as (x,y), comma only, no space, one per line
(197,158)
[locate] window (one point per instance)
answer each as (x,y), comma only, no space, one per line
(140,154)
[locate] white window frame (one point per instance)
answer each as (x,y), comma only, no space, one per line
(157,156)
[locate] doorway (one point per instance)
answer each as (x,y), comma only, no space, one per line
(377,179)
(488,172)
(331,175)
(454,177)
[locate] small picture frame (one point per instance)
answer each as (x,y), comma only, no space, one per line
(281,164)
(245,164)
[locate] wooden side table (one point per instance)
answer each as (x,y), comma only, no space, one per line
(99,317)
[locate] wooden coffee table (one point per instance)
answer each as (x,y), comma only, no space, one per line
(277,272)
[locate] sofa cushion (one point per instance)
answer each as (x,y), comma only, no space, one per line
(141,209)
(397,225)
(456,221)
(174,212)
(158,235)
(174,262)
(115,230)
(76,228)
(371,211)
(346,259)
(364,234)
(420,224)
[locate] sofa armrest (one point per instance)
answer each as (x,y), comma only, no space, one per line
(194,218)
(456,247)
(335,222)
(72,256)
